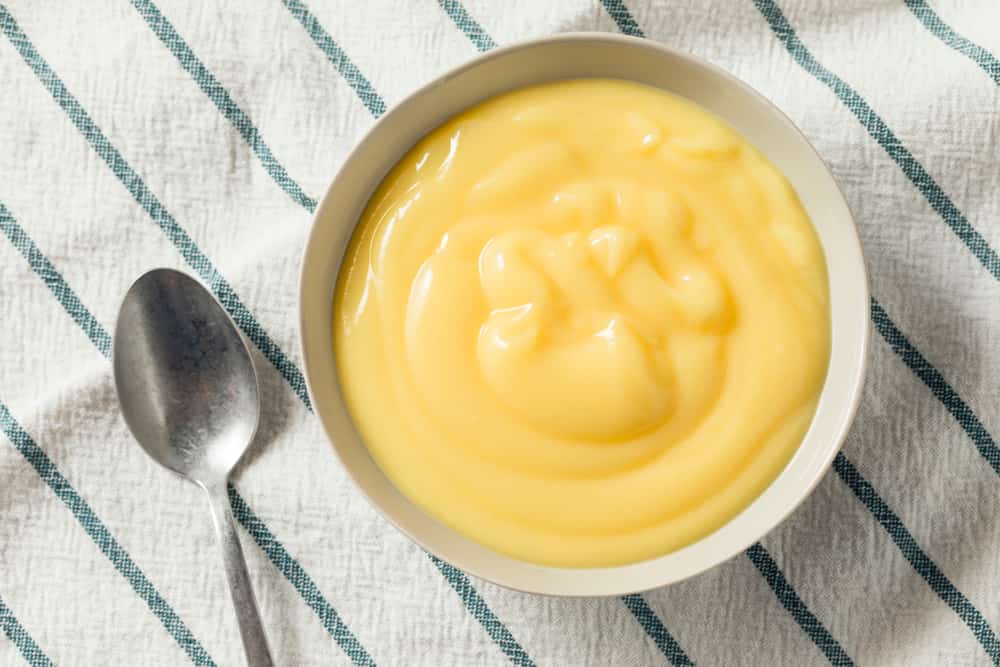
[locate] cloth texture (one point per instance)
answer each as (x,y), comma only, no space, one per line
(199,135)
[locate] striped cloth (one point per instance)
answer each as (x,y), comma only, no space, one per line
(199,135)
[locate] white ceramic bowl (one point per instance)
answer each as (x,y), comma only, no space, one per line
(574,56)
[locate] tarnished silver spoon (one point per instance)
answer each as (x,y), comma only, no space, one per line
(189,393)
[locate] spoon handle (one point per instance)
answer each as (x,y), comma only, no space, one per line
(247,614)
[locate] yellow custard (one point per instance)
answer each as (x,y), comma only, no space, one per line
(584,323)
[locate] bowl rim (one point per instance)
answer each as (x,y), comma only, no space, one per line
(803,491)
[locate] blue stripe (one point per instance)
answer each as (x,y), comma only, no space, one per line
(222,99)
(623,17)
(337,57)
(944,392)
(885,137)
(287,565)
(41,265)
(635,603)
(468,25)
(977,54)
(264,538)
(830,647)
(142,194)
(22,640)
(102,537)
(478,608)
(654,627)
(300,579)
(924,566)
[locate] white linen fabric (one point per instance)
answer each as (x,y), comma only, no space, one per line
(198,135)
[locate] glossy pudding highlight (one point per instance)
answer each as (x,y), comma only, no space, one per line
(584,323)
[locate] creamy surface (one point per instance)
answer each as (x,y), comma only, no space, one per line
(584,323)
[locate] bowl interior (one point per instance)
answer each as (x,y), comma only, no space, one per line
(575,56)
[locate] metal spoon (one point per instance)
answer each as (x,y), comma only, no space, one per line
(188,391)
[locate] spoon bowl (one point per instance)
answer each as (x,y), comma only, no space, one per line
(185,379)
(189,394)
